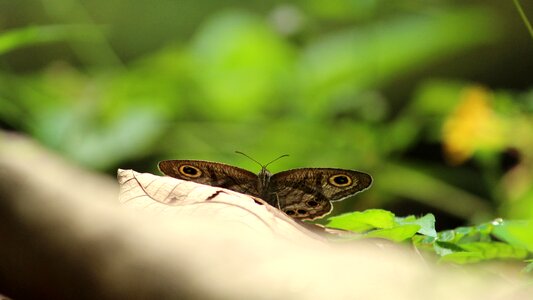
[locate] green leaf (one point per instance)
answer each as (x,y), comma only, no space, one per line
(397,234)
(516,233)
(423,242)
(363,221)
(464,230)
(427,224)
(466,234)
(446,235)
(494,250)
(446,248)
(462,257)
(476,252)
(485,228)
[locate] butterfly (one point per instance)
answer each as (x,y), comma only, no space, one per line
(304,194)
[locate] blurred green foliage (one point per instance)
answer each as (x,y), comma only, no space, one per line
(430,98)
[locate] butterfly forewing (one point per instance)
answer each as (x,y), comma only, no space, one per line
(213,174)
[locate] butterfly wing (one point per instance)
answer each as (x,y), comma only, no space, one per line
(307,193)
(213,174)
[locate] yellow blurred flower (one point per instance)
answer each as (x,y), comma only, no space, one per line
(472,126)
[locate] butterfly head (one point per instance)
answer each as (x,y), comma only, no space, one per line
(264,175)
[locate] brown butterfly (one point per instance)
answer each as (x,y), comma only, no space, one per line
(304,194)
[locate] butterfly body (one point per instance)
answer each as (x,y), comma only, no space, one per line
(304,194)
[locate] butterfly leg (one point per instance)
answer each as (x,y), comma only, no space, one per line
(276,201)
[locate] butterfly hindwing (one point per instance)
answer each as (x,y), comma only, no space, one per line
(306,193)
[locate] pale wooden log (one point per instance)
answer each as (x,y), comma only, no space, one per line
(63,234)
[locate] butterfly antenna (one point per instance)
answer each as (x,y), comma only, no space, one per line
(262,166)
(239,152)
(284,155)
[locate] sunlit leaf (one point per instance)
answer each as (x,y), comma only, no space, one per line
(426,223)
(475,252)
(423,242)
(494,250)
(517,233)
(397,234)
(462,257)
(445,248)
(466,234)
(362,221)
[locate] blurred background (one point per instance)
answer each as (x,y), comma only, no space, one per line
(433,98)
